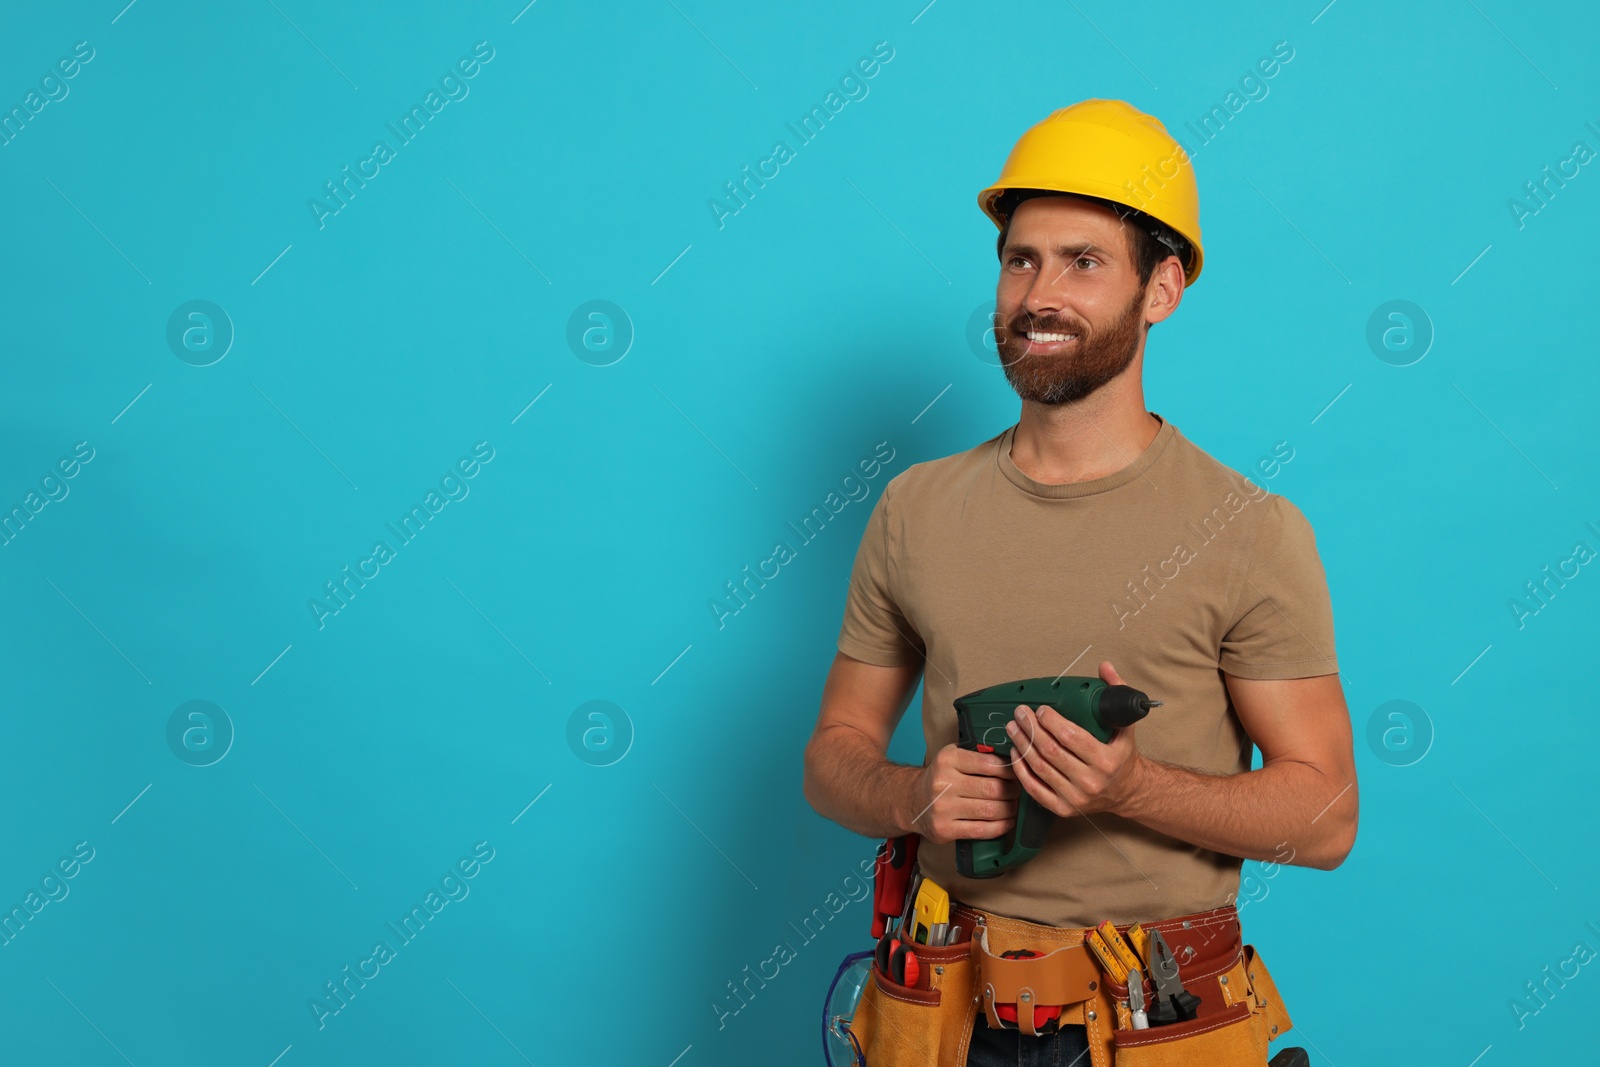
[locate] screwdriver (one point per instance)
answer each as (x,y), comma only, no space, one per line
(1141,1021)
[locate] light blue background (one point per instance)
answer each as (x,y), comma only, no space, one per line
(776,352)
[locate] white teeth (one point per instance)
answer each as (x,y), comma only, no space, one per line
(1048,337)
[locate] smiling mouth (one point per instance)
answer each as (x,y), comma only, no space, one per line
(1039,339)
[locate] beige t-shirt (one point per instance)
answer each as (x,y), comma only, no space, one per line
(1175,568)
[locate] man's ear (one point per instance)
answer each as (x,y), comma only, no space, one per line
(1164,292)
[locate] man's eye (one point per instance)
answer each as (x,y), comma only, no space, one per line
(1081,260)
(1017,259)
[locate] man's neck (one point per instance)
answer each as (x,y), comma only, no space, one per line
(1090,438)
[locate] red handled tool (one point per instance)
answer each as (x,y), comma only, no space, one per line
(897,961)
(891,879)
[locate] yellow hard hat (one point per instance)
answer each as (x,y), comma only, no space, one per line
(1109,150)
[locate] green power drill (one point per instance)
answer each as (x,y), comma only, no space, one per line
(981,719)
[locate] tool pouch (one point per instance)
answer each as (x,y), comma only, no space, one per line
(1240,1013)
(1265,1004)
(929,1023)
(1239,1010)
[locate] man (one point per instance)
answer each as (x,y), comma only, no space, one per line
(1091,537)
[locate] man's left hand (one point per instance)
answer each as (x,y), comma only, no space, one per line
(1065,768)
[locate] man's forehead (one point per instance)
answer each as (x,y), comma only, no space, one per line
(1067,232)
(1052,215)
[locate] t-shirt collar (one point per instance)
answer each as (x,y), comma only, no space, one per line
(1139,466)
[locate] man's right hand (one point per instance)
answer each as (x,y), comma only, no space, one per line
(964,795)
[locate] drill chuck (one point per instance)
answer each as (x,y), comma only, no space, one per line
(1123,705)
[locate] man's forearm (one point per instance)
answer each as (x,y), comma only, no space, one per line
(848,781)
(1250,815)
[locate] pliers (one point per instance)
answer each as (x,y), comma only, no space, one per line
(1173,1003)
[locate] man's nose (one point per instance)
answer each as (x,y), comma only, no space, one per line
(1041,303)
(1046,294)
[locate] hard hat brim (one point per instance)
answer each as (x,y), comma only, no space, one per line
(988,198)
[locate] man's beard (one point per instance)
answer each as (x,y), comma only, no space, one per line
(1092,361)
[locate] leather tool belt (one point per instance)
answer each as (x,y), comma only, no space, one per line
(931,1022)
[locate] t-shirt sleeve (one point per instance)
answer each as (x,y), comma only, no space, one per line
(1282,620)
(875,629)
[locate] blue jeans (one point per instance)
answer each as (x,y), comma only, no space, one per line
(1068,1047)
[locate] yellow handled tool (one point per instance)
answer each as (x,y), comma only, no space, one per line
(1139,941)
(1108,959)
(1119,948)
(931,911)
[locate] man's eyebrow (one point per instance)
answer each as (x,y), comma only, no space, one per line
(1066,251)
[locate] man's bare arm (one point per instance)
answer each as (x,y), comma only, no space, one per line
(955,795)
(1303,796)
(848,777)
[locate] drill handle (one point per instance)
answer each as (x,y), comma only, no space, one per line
(1033,826)
(987,858)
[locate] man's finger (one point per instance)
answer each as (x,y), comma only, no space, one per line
(1079,745)
(984,763)
(1023,732)
(1050,737)
(983,809)
(984,787)
(1029,781)
(1042,766)
(1046,792)
(970,830)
